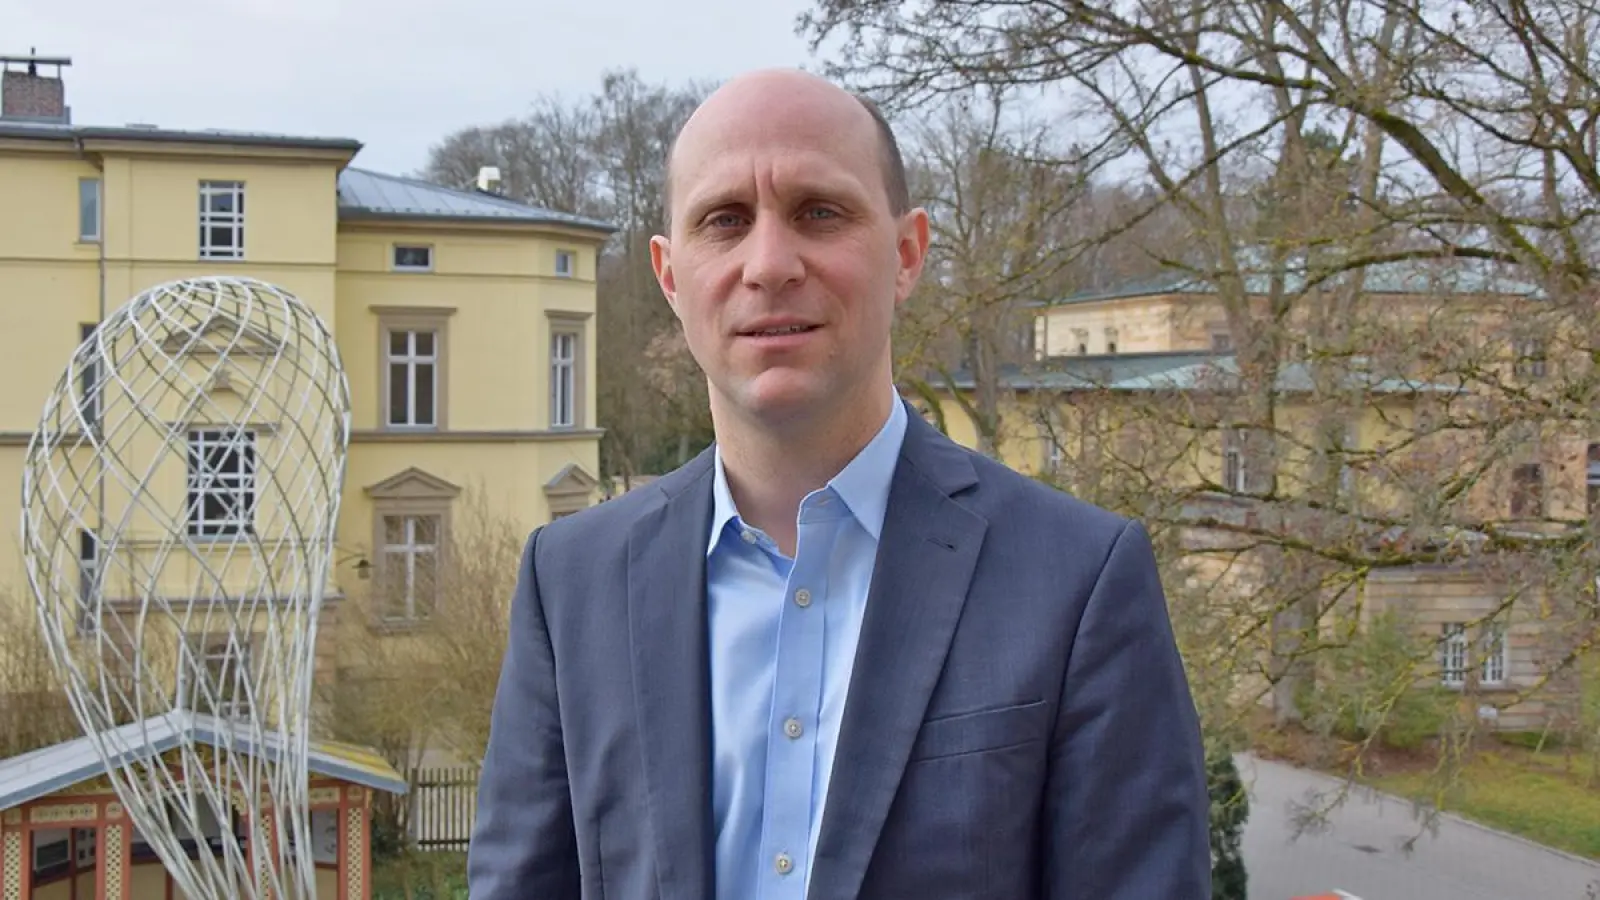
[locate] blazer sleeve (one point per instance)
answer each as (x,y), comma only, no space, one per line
(523,841)
(1126,806)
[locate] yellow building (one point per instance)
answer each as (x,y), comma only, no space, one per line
(1129,402)
(464,320)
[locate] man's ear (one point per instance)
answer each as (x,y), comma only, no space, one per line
(912,252)
(661,263)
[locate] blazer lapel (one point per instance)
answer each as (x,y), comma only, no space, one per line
(671,678)
(926,556)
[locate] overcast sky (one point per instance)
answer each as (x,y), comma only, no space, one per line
(394,74)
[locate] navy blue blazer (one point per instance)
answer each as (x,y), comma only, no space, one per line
(1018,723)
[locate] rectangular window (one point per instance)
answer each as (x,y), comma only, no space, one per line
(1530,357)
(1496,661)
(222,220)
(413,377)
(410,566)
(222,482)
(88,580)
(89,209)
(566,263)
(1235,476)
(413,258)
(89,387)
(563,379)
(1527,491)
(1453,655)
(215,678)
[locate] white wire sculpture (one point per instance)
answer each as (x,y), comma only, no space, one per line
(180,499)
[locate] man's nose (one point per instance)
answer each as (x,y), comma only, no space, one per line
(772,255)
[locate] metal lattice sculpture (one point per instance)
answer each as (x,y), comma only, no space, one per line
(180,499)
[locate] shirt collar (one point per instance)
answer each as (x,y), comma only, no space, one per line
(863,484)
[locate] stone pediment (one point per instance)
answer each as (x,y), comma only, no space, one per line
(413,484)
(571,481)
(222,333)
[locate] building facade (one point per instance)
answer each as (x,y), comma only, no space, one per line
(464,320)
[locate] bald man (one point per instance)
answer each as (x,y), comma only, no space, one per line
(836,655)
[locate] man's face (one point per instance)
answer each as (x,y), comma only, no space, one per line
(785,263)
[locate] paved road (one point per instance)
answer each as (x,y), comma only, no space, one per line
(1359,851)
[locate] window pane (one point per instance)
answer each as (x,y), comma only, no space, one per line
(424,343)
(221,202)
(399,343)
(394,529)
(399,412)
(426,583)
(426,531)
(221,237)
(424,394)
(89,208)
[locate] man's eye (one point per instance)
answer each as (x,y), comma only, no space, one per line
(821,212)
(724,220)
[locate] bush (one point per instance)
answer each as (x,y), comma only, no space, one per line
(1369,688)
(1230,808)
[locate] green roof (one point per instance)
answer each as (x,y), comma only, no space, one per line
(1426,276)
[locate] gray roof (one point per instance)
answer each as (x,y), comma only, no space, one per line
(51,769)
(363,193)
(61,131)
(1428,276)
(1177,371)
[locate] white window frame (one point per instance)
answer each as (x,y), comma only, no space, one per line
(405,555)
(231,220)
(566,264)
(398,266)
(412,360)
(236,487)
(90,220)
(1453,655)
(563,379)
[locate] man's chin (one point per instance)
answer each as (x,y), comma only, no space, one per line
(783,397)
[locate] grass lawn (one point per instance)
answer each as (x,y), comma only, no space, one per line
(1540,795)
(421,876)
(1515,790)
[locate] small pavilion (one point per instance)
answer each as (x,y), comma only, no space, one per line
(64,834)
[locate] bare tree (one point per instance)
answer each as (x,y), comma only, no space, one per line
(1389,208)
(998,217)
(604,155)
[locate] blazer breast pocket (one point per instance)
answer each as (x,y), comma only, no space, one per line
(981,730)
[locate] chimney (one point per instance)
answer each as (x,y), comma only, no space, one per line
(489,179)
(29,96)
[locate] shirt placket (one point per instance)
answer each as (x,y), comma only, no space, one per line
(796,706)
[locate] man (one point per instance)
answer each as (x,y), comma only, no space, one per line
(837,655)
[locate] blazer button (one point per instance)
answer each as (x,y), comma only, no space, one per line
(783,864)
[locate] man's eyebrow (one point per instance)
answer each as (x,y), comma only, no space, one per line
(843,189)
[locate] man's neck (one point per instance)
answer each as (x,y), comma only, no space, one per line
(770,470)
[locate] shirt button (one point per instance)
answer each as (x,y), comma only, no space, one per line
(802,597)
(748,535)
(793,728)
(783,864)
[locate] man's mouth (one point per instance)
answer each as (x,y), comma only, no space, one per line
(781,330)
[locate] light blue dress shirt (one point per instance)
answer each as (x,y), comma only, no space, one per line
(783,638)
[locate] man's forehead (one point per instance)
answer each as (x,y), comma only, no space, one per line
(785,168)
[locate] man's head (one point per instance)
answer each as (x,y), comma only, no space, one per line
(791,244)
